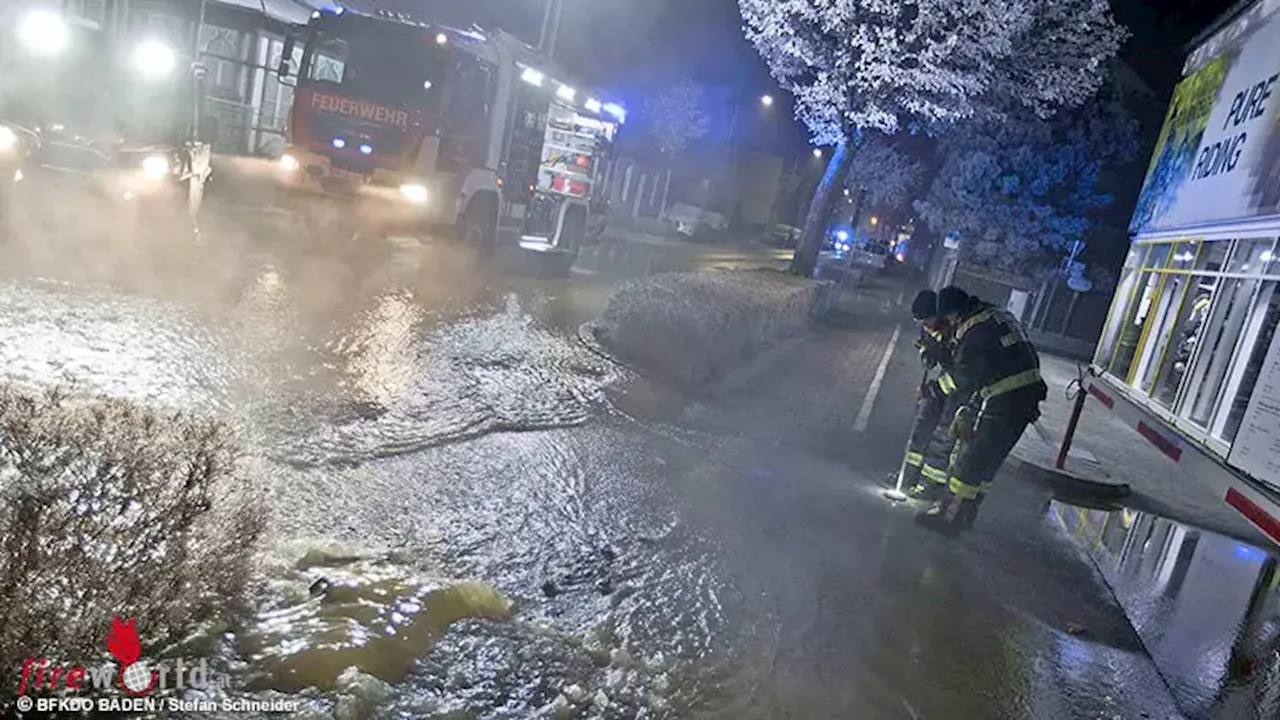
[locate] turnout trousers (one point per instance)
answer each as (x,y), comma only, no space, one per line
(999,426)
(930,448)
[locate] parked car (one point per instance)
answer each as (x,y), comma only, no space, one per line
(872,255)
(783,236)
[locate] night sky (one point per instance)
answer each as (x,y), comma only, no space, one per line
(635,46)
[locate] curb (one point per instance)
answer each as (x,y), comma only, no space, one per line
(1061,481)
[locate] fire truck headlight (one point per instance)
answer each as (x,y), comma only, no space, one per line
(8,139)
(414,193)
(289,163)
(154,60)
(43,32)
(155,167)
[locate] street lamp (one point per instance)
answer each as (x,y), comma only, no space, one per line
(766,101)
(874,220)
(817,152)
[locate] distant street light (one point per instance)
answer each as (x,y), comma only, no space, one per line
(766,100)
(874,220)
(817,152)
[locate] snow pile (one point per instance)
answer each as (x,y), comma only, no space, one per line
(694,328)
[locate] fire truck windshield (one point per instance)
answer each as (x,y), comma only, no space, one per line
(376,60)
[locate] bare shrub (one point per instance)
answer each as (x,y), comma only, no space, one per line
(107,508)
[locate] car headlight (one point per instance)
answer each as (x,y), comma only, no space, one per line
(155,167)
(8,139)
(289,163)
(154,60)
(414,193)
(44,32)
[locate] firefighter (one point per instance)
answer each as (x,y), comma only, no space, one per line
(924,468)
(996,372)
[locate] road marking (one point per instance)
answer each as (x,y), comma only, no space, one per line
(868,402)
(902,294)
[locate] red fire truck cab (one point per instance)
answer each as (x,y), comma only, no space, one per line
(419,125)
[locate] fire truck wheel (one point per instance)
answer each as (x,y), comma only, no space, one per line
(480,224)
(573,231)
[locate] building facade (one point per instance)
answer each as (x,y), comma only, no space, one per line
(1189,349)
(239,41)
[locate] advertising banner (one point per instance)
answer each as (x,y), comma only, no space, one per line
(1217,157)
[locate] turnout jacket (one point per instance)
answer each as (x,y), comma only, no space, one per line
(935,350)
(993,360)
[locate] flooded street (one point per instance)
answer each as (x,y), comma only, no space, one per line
(439,448)
(486,519)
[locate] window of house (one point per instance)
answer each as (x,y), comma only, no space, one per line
(94,11)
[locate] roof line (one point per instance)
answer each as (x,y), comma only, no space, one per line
(1225,19)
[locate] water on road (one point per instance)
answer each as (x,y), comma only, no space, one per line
(484,518)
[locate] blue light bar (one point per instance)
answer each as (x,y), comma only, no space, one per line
(617,111)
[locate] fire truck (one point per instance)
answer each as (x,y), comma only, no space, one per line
(414,126)
(99,130)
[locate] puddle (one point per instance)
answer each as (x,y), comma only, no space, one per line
(1206,606)
(340,611)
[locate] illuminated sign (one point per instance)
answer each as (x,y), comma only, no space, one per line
(362,109)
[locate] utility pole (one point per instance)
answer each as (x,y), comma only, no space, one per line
(550,28)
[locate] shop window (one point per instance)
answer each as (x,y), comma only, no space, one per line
(1256,343)
(1136,317)
(1184,339)
(1224,327)
(1164,317)
(1120,305)
(1252,256)
(1115,318)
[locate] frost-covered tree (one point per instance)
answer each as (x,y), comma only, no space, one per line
(887,65)
(880,175)
(1021,192)
(677,116)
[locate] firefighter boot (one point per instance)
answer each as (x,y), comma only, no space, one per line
(942,515)
(968,513)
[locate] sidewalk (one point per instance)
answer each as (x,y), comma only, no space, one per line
(1107,453)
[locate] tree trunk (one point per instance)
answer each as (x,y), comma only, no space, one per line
(815,221)
(853,225)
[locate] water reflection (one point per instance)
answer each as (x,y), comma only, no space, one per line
(1207,607)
